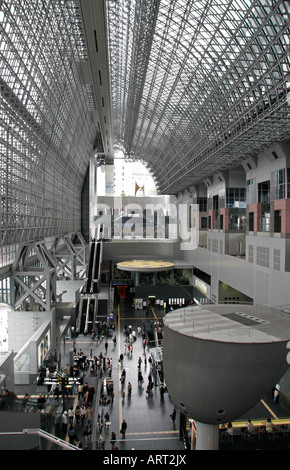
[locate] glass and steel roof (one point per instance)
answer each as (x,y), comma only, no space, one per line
(195,86)
(198,85)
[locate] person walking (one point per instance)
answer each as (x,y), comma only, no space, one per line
(87,434)
(113,439)
(173,415)
(78,415)
(123,428)
(71,415)
(83,414)
(89,414)
(64,421)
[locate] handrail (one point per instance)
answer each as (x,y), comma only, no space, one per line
(43,434)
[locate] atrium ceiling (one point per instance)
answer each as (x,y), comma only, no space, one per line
(198,85)
(188,87)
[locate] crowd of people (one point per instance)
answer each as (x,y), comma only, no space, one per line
(77,422)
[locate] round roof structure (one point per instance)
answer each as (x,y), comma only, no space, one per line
(145,265)
(220,360)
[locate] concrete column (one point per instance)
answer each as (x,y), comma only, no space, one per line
(207,436)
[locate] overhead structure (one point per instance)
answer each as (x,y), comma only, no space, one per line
(52,118)
(186,86)
(198,86)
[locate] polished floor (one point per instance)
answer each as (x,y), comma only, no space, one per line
(149,425)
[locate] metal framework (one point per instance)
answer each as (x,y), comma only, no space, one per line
(46,128)
(198,85)
(33,277)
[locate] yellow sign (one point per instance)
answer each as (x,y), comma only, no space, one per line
(145,265)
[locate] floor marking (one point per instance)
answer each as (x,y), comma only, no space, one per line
(151,433)
(119,368)
(269,409)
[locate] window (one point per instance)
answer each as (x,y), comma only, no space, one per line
(278,184)
(215,201)
(277,221)
(203,222)
(264,192)
(251,221)
(236,197)
(202,202)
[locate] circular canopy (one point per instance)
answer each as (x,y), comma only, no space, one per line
(145,265)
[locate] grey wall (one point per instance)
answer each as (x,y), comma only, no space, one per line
(218,381)
(11,421)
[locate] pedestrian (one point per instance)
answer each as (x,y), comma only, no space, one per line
(113,439)
(87,434)
(71,434)
(162,391)
(92,392)
(80,391)
(83,414)
(122,380)
(78,415)
(106,346)
(71,415)
(173,415)
(139,362)
(57,424)
(129,389)
(115,341)
(123,428)
(25,403)
(89,414)
(41,402)
(78,444)
(56,393)
(64,422)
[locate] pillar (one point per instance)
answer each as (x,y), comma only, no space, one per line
(207,436)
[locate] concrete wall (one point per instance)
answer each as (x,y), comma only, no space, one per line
(267,287)
(22,325)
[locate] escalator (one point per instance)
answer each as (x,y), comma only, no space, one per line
(87,314)
(91,267)
(88,303)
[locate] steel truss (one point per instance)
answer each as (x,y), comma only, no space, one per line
(36,268)
(69,251)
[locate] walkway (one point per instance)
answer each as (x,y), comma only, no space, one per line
(148,418)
